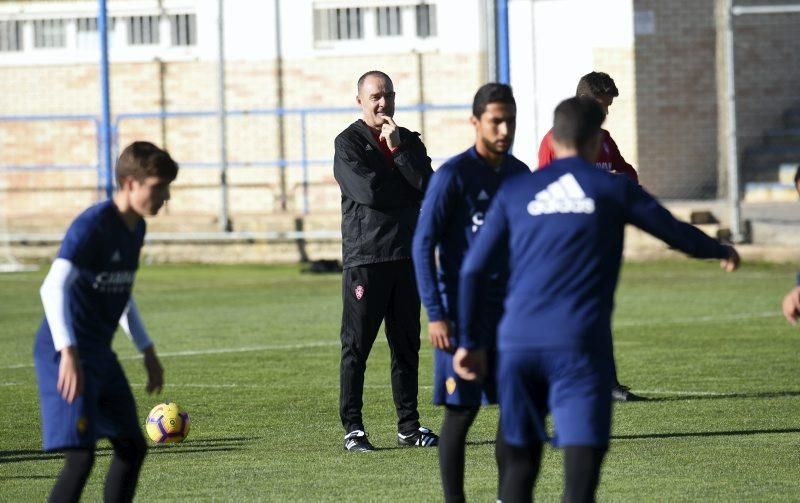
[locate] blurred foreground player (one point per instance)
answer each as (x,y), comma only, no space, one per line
(452,214)
(563,227)
(601,87)
(83,392)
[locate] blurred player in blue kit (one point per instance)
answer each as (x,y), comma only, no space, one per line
(452,215)
(83,392)
(562,229)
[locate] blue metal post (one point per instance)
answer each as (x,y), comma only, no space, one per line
(304,148)
(503,65)
(105,120)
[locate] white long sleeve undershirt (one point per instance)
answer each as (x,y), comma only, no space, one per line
(55,299)
(56,302)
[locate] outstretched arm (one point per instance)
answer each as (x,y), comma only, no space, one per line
(643,211)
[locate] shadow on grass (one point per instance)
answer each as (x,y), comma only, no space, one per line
(223,444)
(724,396)
(734,433)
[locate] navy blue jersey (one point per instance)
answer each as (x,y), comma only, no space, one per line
(563,228)
(453,211)
(105,253)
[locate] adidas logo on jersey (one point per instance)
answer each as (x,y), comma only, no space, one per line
(116,257)
(564,195)
(483,196)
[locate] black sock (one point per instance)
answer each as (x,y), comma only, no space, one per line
(457,421)
(500,456)
(77,466)
(123,474)
(581,473)
(520,469)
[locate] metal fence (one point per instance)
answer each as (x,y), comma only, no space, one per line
(268,173)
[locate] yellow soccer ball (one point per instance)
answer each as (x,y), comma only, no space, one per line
(167,423)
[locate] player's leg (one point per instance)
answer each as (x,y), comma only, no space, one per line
(523,406)
(501,454)
(620,392)
(72,478)
(581,408)
(521,469)
(117,420)
(456,424)
(123,474)
(402,333)
(66,427)
(364,297)
(582,472)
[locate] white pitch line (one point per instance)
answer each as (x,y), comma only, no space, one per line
(687,393)
(215,351)
(318,344)
(385,386)
(263,386)
(698,319)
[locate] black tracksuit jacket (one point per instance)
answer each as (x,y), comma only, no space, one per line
(380,204)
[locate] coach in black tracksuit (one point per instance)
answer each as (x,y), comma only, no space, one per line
(382,170)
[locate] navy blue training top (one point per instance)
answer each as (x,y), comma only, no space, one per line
(105,253)
(453,211)
(563,228)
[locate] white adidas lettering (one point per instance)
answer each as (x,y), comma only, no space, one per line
(564,195)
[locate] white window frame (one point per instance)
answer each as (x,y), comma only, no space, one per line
(74,52)
(12,30)
(375,38)
(339,24)
(183,29)
(389,21)
(49,34)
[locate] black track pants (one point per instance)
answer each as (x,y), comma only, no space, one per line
(371,294)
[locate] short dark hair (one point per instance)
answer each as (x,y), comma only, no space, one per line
(491,93)
(141,159)
(371,73)
(576,121)
(597,84)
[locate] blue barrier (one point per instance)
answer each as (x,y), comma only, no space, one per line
(301,113)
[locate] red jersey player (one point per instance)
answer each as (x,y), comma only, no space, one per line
(601,87)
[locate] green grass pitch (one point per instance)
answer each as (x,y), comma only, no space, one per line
(252,354)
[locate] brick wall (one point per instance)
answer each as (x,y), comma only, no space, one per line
(680,75)
(676,99)
(47,200)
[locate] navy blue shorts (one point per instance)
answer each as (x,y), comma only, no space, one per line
(449,389)
(574,386)
(105,409)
